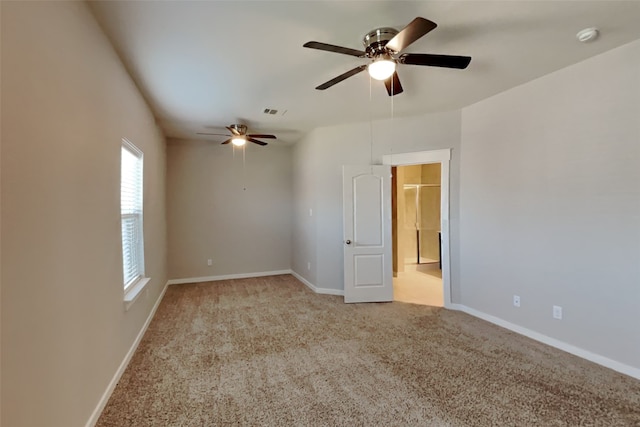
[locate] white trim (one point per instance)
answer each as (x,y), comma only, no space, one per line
(577,351)
(125,362)
(226,277)
(132,293)
(426,157)
(325,291)
(132,148)
(329,291)
(417,158)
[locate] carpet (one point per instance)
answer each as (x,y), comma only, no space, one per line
(268,351)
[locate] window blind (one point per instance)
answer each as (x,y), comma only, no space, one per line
(131,213)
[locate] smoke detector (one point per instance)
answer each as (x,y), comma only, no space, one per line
(587,35)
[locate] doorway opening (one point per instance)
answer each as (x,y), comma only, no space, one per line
(417,267)
(420,227)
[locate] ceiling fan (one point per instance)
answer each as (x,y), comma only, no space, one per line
(239,135)
(382,46)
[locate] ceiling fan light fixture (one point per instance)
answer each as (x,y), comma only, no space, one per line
(382,67)
(238,141)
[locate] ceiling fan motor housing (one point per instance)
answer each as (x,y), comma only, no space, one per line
(376,40)
(242,129)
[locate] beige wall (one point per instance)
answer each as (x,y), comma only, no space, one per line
(430,174)
(550,205)
(236,213)
(0,220)
(66,103)
(318,160)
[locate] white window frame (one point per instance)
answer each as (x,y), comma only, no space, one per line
(133,287)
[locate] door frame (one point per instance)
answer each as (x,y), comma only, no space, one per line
(427,157)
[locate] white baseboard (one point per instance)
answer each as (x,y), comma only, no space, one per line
(226,277)
(577,351)
(125,362)
(315,289)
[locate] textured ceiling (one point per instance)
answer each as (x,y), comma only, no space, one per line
(203,65)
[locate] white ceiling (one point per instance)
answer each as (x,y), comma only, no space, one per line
(206,64)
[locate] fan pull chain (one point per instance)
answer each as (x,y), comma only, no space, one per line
(233,162)
(370,125)
(393,92)
(392,140)
(244,164)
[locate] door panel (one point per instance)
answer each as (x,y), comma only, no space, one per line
(368,227)
(368,270)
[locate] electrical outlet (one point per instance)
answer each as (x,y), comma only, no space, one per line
(557,312)
(310,212)
(209,262)
(516,301)
(308,266)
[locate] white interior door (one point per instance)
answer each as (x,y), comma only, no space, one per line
(367,233)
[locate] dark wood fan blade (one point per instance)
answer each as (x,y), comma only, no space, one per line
(259,135)
(447,61)
(341,77)
(215,134)
(334,48)
(233,131)
(227,141)
(255,141)
(412,32)
(393,85)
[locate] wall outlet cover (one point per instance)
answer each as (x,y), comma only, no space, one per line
(557,312)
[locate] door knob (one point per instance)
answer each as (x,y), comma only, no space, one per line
(348,242)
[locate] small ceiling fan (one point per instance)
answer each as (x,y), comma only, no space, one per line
(382,45)
(239,135)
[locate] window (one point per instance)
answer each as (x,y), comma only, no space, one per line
(131,214)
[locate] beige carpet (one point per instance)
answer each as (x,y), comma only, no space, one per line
(268,351)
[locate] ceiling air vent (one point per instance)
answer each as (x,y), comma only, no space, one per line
(272,111)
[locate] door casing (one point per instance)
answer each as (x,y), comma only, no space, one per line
(425,157)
